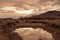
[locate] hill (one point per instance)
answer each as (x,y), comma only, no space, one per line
(47,15)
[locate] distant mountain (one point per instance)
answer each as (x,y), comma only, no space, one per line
(47,15)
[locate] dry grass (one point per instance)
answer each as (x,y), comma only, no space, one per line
(7,26)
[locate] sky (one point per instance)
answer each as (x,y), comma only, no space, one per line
(23,8)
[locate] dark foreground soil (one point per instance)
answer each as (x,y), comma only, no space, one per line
(9,25)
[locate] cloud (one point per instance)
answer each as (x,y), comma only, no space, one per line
(14,12)
(27,7)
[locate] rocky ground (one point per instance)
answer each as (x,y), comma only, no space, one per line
(7,26)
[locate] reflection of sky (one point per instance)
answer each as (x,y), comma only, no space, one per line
(22,8)
(34,34)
